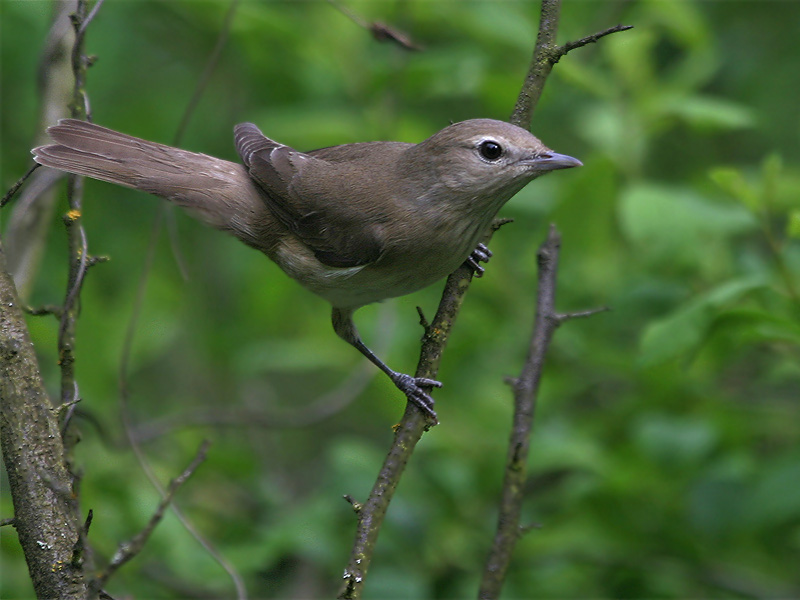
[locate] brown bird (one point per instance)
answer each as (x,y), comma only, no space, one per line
(355,223)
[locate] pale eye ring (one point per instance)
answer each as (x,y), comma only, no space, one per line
(490,150)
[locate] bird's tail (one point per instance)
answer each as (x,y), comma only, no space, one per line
(220,192)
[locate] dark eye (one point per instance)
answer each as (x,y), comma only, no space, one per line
(490,150)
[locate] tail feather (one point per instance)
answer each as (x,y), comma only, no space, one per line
(220,192)
(89,164)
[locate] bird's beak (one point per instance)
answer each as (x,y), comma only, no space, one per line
(550,161)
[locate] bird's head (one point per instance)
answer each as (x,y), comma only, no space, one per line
(488,157)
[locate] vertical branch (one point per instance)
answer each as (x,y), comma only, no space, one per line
(544,57)
(525,391)
(43,490)
(31,217)
(76,236)
(40,485)
(127,345)
(546,54)
(78,263)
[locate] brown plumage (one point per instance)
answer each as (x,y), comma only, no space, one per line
(355,223)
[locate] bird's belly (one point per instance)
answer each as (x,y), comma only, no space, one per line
(391,276)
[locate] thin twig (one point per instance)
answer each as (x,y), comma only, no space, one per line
(316,411)
(211,64)
(13,189)
(76,236)
(545,55)
(380,31)
(581,314)
(128,550)
(238,583)
(89,18)
(525,390)
(591,39)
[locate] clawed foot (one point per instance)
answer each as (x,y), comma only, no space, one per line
(479,255)
(410,386)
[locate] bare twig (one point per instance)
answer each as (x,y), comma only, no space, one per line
(581,314)
(31,217)
(591,39)
(526,387)
(18,184)
(380,31)
(89,18)
(545,55)
(41,311)
(525,390)
(238,583)
(76,236)
(318,410)
(413,424)
(128,550)
(211,64)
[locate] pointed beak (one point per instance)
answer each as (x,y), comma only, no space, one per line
(551,161)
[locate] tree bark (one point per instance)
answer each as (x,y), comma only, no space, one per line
(45,514)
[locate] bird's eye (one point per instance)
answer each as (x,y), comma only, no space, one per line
(490,150)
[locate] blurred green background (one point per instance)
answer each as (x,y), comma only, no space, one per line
(666,456)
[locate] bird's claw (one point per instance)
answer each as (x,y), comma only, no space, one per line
(411,387)
(480,254)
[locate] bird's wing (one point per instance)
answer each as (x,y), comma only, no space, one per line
(324,219)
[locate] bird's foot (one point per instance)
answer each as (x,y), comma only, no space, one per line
(411,387)
(479,255)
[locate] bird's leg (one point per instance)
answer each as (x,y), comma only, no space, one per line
(480,254)
(411,386)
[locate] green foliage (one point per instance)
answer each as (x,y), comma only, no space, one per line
(665,458)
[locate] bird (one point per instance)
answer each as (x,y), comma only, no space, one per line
(355,223)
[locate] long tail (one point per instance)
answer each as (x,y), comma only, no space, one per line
(219,192)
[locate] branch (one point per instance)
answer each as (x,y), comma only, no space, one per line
(31,218)
(18,184)
(238,583)
(380,31)
(372,512)
(546,54)
(78,252)
(407,433)
(128,550)
(45,514)
(526,388)
(525,391)
(591,39)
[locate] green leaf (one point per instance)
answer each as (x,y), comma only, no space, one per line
(670,224)
(758,325)
(686,328)
(733,182)
(708,112)
(793,226)
(771,173)
(673,440)
(775,498)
